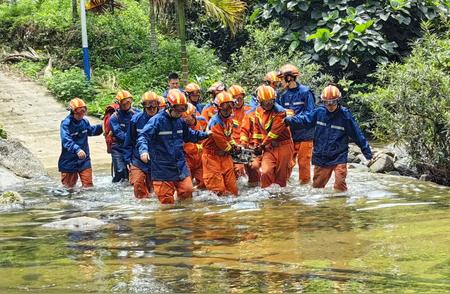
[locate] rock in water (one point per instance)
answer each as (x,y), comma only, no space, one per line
(11,197)
(82,223)
(384,163)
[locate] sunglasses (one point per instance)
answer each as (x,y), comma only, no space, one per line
(180,107)
(330,102)
(150,104)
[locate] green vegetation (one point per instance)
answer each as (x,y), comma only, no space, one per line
(411,104)
(2,133)
(345,42)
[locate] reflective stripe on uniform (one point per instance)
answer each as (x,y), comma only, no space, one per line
(165,133)
(272,135)
(298,103)
(338,127)
(320,123)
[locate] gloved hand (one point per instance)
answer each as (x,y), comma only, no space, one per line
(259,150)
(145,157)
(81,154)
(288,120)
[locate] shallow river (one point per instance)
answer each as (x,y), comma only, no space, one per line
(386,234)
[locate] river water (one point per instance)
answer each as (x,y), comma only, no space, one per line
(386,233)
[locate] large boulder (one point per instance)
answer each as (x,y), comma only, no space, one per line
(404,167)
(19,160)
(382,163)
(82,223)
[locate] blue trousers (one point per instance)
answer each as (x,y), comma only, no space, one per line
(120,171)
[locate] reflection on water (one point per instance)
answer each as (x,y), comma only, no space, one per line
(385,233)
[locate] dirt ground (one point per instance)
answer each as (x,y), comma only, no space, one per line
(31,114)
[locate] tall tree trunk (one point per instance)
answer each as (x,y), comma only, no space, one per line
(182,35)
(74,11)
(153,36)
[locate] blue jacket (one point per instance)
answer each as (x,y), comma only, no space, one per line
(137,123)
(163,138)
(331,135)
(199,106)
(74,137)
(119,123)
(301,100)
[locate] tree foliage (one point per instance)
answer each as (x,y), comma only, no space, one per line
(411,105)
(351,36)
(263,53)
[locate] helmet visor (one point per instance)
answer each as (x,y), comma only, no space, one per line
(150,104)
(180,108)
(330,102)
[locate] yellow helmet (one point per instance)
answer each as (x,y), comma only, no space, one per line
(122,95)
(76,103)
(266,93)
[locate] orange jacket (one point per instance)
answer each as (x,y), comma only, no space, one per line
(193,151)
(269,126)
(209,111)
(238,117)
(247,128)
(221,140)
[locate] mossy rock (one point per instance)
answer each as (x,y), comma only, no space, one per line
(10,197)
(2,132)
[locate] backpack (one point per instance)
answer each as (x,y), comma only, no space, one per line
(109,137)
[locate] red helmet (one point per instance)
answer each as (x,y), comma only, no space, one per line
(236,90)
(266,93)
(289,69)
(176,97)
(223,97)
(330,93)
(192,87)
(76,103)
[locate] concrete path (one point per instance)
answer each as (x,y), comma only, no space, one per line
(31,114)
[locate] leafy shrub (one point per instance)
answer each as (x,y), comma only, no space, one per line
(411,104)
(263,53)
(351,36)
(30,69)
(68,84)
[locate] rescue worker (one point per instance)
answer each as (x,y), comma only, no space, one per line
(299,99)
(334,125)
(247,141)
(218,171)
(192,91)
(75,158)
(161,143)
(119,124)
(173,83)
(193,151)
(239,111)
(140,171)
(274,138)
(210,109)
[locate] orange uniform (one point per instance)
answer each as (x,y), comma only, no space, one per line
(238,117)
(209,111)
(246,140)
(218,172)
(193,153)
(276,138)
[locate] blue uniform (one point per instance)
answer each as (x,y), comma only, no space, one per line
(119,123)
(137,123)
(163,138)
(199,106)
(331,134)
(301,100)
(74,137)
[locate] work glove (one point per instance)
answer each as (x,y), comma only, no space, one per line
(259,150)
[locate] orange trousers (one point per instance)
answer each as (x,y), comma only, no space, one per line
(165,191)
(276,164)
(69,180)
(141,181)
(196,168)
(302,155)
(239,169)
(218,174)
(322,176)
